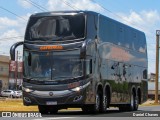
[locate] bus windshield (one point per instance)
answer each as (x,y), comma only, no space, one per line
(41,66)
(48,28)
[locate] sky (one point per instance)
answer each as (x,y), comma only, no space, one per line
(140,14)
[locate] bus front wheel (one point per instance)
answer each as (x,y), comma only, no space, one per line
(104,103)
(96,107)
(44,109)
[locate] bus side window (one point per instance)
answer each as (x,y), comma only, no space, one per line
(145,74)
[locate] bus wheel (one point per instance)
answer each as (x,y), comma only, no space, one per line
(134,102)
(98,100)
(52,109)
(43,109)
(104,103)
(132,106)
(96,107)
(86,109)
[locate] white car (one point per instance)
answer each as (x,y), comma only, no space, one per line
(7,93)
(17,94)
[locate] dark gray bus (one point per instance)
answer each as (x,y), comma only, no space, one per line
(82,59)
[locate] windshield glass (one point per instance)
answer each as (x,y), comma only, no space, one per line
(55,27)
(47,66)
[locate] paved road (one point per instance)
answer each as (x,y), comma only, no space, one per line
(112,114)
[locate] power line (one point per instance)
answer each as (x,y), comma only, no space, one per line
(42,8)
(112,12)
(12,13)
(36,5)
(116,15)
(68,4)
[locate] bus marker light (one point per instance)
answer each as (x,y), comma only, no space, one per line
(51,47)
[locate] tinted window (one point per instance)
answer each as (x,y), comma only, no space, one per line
(55,27)
(107,30)
(120,34)
(142,43)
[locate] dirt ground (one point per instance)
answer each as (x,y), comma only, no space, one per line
(149,103)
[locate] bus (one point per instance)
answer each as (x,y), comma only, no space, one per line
(82,59)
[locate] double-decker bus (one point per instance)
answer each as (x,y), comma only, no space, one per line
(82,59)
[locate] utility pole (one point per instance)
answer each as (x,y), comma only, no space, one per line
(157,66)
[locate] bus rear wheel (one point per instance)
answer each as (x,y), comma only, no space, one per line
(133,104)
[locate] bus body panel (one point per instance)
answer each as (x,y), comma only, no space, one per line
(113,58)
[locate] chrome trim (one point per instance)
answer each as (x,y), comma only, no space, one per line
(58,93)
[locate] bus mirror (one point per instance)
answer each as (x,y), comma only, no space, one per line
(29,59)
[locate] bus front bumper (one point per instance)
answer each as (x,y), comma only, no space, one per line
(75,96)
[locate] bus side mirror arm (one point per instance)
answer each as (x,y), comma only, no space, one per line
(12,49)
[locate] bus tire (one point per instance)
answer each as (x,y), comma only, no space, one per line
(136,103)
(43,109)
(86,109)
(96,107)
(53,111)
(133,106)
(104,102)
(133,103)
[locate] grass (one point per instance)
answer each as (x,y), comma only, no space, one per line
(15,105)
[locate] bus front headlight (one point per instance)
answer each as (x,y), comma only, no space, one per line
(77,89)
(27,89)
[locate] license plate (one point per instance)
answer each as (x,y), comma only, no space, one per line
(51,103)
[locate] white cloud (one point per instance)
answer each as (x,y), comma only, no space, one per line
(6,22)
(148,22)
(58,5)
(9,40)
(145,20)
(24,3)
(10,33)
(10,29)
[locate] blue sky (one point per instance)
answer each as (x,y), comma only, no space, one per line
(141,14)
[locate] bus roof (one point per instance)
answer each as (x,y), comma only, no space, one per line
(55,13)
(63,13)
